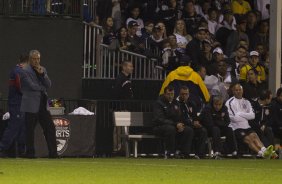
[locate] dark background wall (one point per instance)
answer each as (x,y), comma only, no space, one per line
(60,42)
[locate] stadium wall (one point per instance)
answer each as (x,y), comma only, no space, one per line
(60,42)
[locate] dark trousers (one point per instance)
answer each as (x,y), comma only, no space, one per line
(15,131)
(266,136)
(167,132)
(45,121)
(216,132)
(200,138)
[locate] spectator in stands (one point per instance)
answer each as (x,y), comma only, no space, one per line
(252,26)
(236,35)
(194,47)
(244,43)
(261,49)
(225,27)
(15,131)
(216,119)
(241,112)
(244,60)
(224,76)
(162,27)
(262,124)
(217,56)
(262,35)
(181,34)
(235,60)
(137,43)
(147,31)
(155,41)
(169,13)
(253,87)
(191,121)
(108,31)
(170,60)
(276,115)
(240,6)
(206,54)
(212,19)
(168,123)
(116,14)
(123,40)
(253,63)
(261,6)
(122,88)
(191,17)
(135,16)
(204,8)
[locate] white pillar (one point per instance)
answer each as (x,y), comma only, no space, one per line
(275,45)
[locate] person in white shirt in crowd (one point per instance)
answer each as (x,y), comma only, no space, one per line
(212,19)
(181,34)
(135,13)
(240,112)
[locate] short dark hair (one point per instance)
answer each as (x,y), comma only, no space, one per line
(264,94)
(254,70)
(24,58)
(184,88)
(125,62)
(279,91)
(169,88)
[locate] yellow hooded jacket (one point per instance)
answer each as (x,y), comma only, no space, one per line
(186,73)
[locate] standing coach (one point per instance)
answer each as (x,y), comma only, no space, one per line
(35,83)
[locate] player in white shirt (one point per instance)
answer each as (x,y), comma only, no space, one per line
(240,112)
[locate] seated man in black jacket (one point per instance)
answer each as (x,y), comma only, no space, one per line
(191,122)
(262,124)
(168,123)
(216,119)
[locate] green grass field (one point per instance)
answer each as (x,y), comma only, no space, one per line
(141,171)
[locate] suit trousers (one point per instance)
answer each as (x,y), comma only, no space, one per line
(45,120)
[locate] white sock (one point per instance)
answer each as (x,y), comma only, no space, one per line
(263,149)
(260,153)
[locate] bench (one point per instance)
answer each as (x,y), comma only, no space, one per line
(133,119)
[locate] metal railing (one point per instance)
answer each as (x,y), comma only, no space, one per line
(74,8)
(92,40)
(110,63)
(100,62)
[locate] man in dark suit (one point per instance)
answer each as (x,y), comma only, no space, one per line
(35,83)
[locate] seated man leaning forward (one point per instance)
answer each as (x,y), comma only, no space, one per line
(168,123)
(240,112)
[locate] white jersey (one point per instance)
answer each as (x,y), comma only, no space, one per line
(240,112)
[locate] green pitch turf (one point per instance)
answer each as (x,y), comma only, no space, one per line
(139,171)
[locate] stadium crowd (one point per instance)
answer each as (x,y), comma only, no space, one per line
(216,54)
